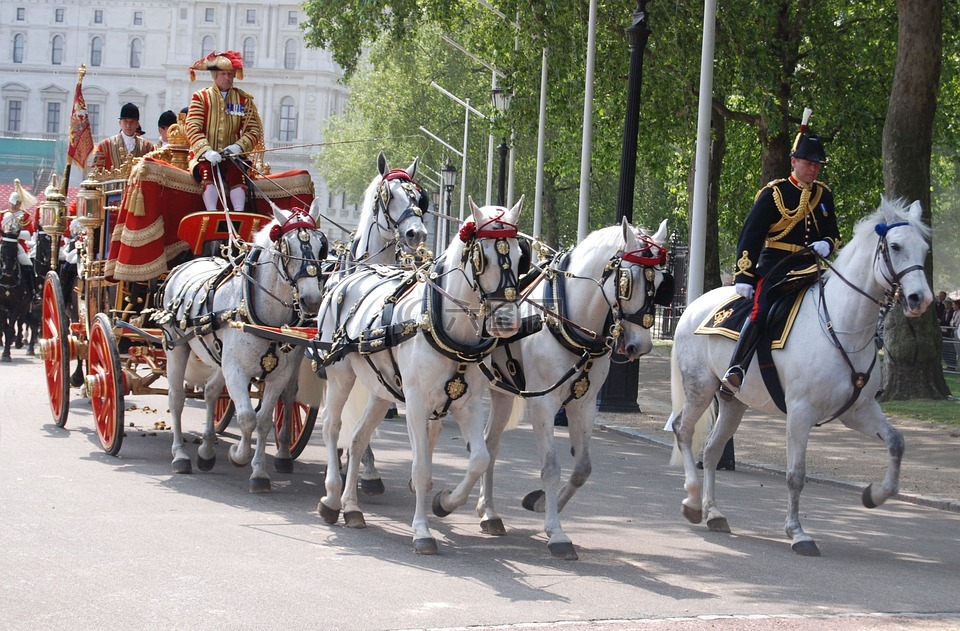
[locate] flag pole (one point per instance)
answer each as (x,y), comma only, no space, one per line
(64,187)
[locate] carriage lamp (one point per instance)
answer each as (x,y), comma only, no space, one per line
(90,204)
(53,219)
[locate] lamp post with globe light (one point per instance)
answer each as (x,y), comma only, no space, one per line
(448,181)
(501,102)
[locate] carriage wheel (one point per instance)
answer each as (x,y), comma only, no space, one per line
(223,412)
(55,348)
(105,384)
(302,420)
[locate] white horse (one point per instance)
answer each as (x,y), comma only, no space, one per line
(277,283)
(390,227)
(418,338)
(597,297)
(828,367)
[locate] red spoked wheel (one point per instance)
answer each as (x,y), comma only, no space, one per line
(302,420)
(55,348)
(223,412)
(105,384)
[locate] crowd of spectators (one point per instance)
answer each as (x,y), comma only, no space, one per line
(948,313)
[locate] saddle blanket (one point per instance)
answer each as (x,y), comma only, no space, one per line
(728,318)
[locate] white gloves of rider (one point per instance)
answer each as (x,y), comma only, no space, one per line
(744,289)
(821,247)
(232,149)
(212,157)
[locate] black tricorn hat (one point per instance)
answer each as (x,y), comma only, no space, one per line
(809,147)
(129,110)
(166,119)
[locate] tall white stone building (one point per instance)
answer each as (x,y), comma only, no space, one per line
(139,52)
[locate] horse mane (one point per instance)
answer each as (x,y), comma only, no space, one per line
(369,198)
(890,211)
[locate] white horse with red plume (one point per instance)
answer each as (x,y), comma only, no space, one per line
(828,366)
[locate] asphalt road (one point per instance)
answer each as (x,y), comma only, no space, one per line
(89,541)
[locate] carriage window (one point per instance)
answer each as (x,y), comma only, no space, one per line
(14,115)
(288,119)
(96,51)
(56,50)
(249,52)
(53,118)
(136,53)
(290,54)
(19,43)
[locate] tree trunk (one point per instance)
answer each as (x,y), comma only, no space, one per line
(912,367)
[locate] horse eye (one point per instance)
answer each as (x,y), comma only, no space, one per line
(895,247)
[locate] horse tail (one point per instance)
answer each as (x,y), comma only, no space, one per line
(677,401)
(352,413)
(518,406)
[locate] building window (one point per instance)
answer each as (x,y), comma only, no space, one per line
(138,18)
(290,54)
(14,115)
(56,50)
(19,43)
(206,45)
(93,115)
(249,52)
(136,53)
(96,51)
(208,15)
(58,15)
(53,117)
(183,13)
(292,18)
(98,16)
(21,14)
(288,120)
(251,16)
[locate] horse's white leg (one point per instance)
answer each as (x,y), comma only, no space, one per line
(798,434)
(176,367)
(870,421)
(469,415)
(580,417)
(695,409)
(340,379)
(207,454)
(372,417)
(500,407)
(421,472)
(238,385)
(731,413)
(273,387)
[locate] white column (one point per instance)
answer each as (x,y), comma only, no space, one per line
(583,217)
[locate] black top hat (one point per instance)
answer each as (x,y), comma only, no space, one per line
(166,119)
(140,131)
(809,147)
(129,110)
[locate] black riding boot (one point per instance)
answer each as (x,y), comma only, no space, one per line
(742,355)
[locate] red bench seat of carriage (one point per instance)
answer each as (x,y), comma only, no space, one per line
(147,234)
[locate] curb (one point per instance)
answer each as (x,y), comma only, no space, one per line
(952,506)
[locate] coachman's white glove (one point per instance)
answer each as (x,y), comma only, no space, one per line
(232,149)
(744,289)
(821,247)
(212,157)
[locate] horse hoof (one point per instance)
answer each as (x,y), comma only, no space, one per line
(206,464)
(259,485)
(867,497)
(427,545)
(692,515)
(493,527)
(718,524)
(563,550)
(807,548)
(534,501)
(5,359)
(183,466)
(235,463)
(327,514)
(283,465)
(438,508)
(354,519)
(372,487)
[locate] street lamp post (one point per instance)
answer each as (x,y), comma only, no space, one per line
(448,180)
(501,102)
(619,392)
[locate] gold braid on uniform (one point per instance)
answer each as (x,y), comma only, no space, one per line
(793,216)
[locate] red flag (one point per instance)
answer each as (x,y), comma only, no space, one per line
(80,143)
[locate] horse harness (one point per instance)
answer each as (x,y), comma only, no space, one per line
(417,204)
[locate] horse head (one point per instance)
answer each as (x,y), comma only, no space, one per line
(302,248)
(490,257)
(398,207)
(904,241)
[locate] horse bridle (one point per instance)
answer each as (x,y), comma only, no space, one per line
(381,207)
(472,236)
(650,258)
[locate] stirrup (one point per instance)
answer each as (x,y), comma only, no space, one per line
(730,383)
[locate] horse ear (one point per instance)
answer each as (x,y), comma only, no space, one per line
(515,211)
(915,211)
(474,209)
(661,236)
(629,236)
(382,164)
(315,211)
(412,169)
(278,215)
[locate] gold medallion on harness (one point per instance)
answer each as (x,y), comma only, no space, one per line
(456,387)
(269,361)
(580,387)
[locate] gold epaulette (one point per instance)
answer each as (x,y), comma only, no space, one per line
(770,184)
(823,185)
